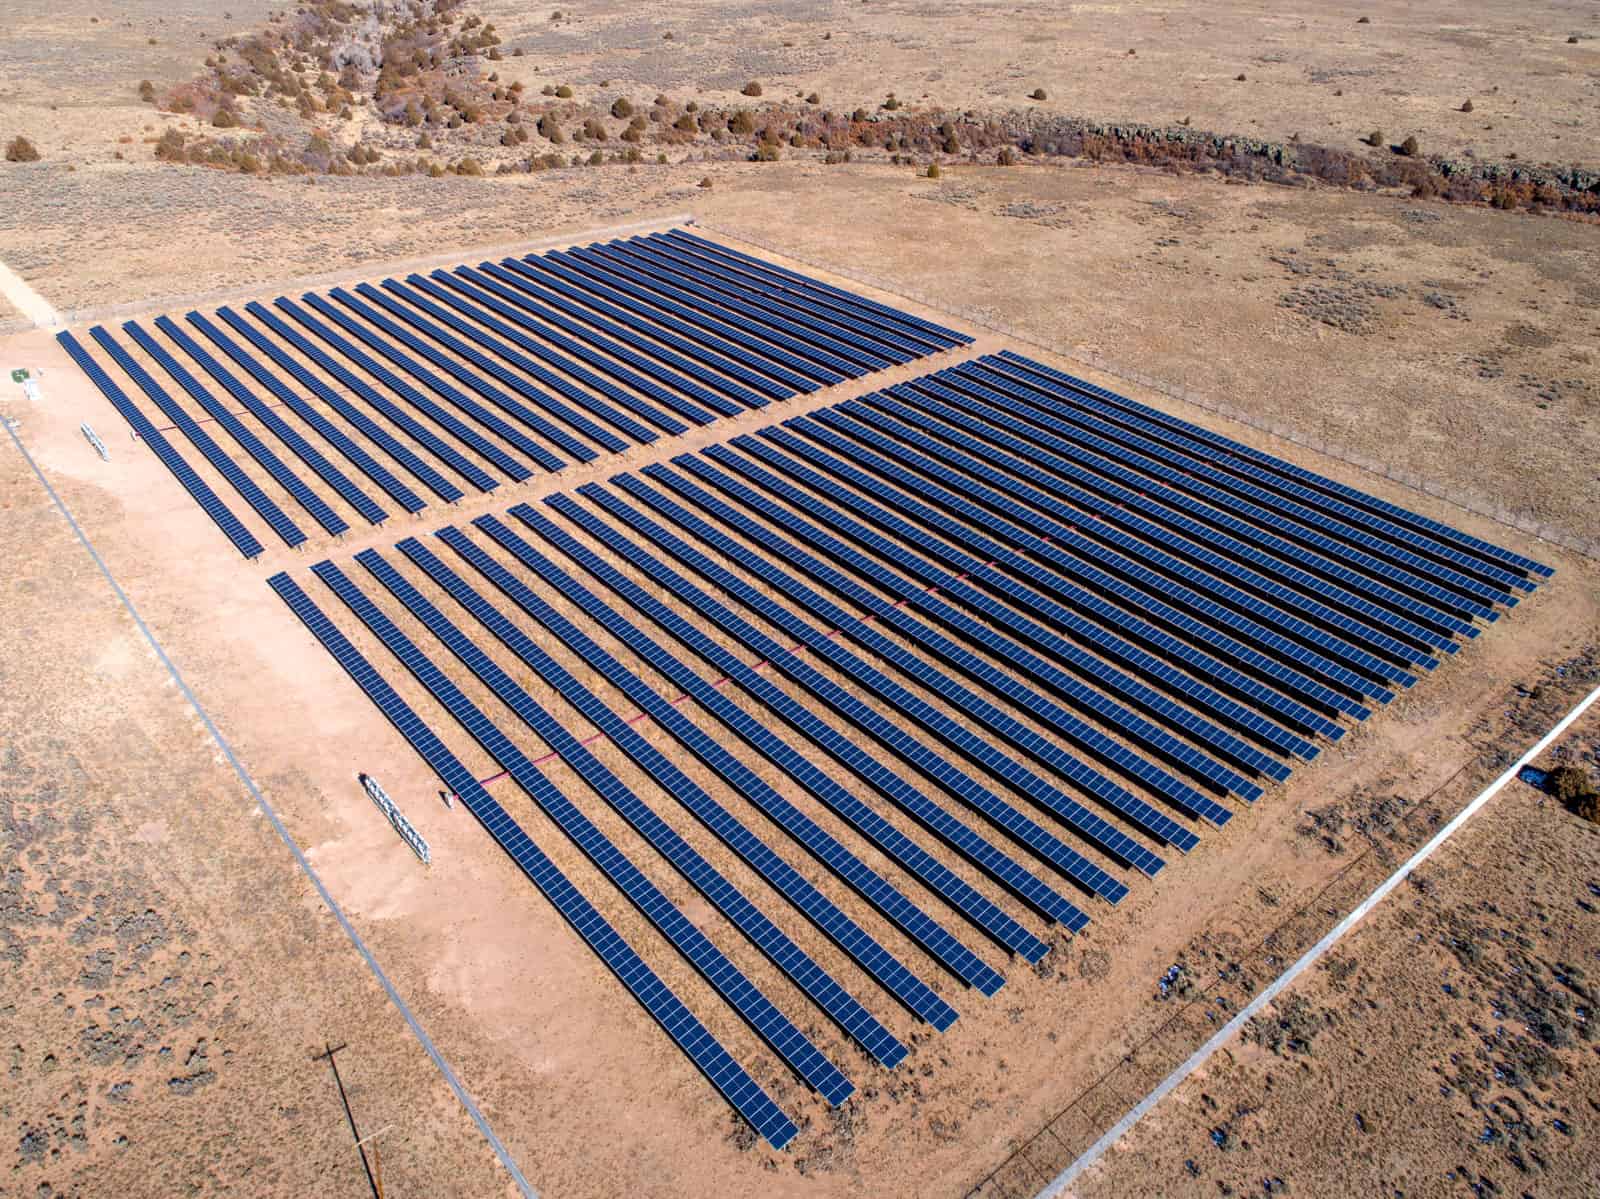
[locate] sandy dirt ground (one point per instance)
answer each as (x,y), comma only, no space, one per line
(169,975)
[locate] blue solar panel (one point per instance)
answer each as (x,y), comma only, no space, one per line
(932,513)
(517,309)
(248,441)
(420,433)
(618,285)
(1156,590)
(601,436)
(1481,549)
(1181,476)
(1068,861)
(850,937)
(957,958)
(249,490)
(1176,792)
(275,424)
(1097,831)
(747,318)
(352,452)
(359,420)
(482,310)
(767,269)
(837,334)
(585,300)
(742,995)
(997,865)
(486,291)
(933,506)
(915,342)
(244,541)
(1059,476)
(1141,814)
(656,360)
(794,962)
(492,421)
(747,1098)
(912,857)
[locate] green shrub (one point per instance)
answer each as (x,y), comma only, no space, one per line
(1410,148)
(621,108)
(1006,158)
(1568,783)
(550,131)
(596,158)
(1375,138)
(469,166)
(750,89)
(563,92)
(933,170)
(223,119)
(1038,93)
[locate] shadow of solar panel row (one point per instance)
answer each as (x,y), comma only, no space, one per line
(1141,814)
(1086,737)
(794,962)
(1379,514)
(1115,844)
(1069,862)
(1179,474)
(915,923)
(862,948)
(488,374)
(828,994)
(953,832)
(982,569)
(249,490)
(1051,540)
(742,995)
(741,1091)
(244,541)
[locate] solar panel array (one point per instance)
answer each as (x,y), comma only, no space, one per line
(935,672)
(437,387)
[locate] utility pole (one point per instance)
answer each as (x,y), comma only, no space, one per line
(373,1180)
(377,1161)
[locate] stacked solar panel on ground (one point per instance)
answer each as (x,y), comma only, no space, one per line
(982,650)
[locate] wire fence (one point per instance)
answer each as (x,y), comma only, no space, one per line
(1476,504)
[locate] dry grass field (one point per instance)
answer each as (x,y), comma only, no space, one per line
(171,975)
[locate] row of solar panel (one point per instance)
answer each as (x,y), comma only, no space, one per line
(949,499)
(539,361)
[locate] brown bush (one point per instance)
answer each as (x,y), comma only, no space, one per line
(1410,148)
(704,182)
(933,170)
(743,122)
(563,92)
(224,119)
(813,98)
(1466,106)
(621,108)
(147,91)
(596,158)
(170,147)
(1038,93)
(1375,138)
(1568,783)
(750,89)
(21,149)
(469,166)
(766,152)
(1006,158)
(550,130)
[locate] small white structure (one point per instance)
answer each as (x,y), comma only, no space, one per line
(401,825)
(93,439)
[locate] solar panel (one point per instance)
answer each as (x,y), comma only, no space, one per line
(1233,449)
(762,354)
(243,540)
(1142,815)
(600,435)
(620,342)
(1045,538)
(585,303)
(838,334)
(492,421)
(519,310)
(917,342)
(1068,861)
(917,996)
(1060,477)
(352,452)
(1182,476)
(943,947)
(788,957)
(960,837)
(771,270)
(481,310)
(1176,792)
(362,423)
(742,995)
(746,317)
(488,294)
(249,490)
(824,991)
(740,1090)
(934,507)
(420,433)
(248,441)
